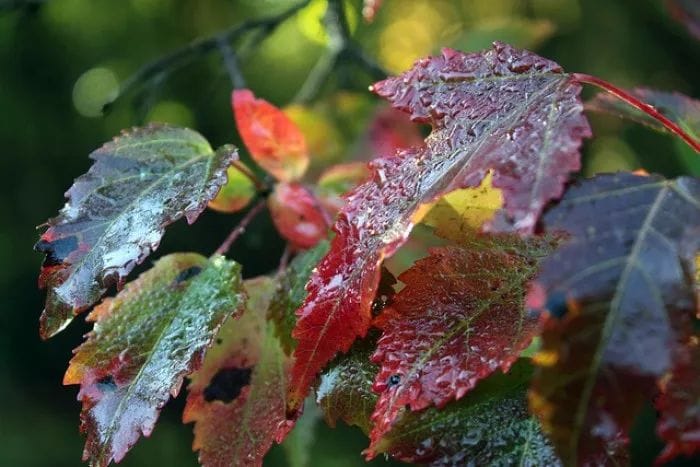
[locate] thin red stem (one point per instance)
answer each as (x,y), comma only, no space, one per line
(638,104)
(259,184)
(240,228)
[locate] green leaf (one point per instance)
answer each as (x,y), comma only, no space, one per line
(291,292)
(345,388)
(116,213)
(490,426)
(145,340)
(238,398)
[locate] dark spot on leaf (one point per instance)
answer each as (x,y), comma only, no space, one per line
(188,273)
(226,385)
(394,380)
(556,304)
(106,384)
(218,341)
(57,251)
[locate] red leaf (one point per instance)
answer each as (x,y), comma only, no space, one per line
(679,405)
(504,109)
(337,181)
(460,317)
(274,141)
(297,215)
(392,130)
(621,299)
(145,340)
(237,398)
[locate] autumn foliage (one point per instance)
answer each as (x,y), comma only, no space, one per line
(545,311)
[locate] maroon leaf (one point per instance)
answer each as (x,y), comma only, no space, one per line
(679,405)
(116,213)
(620,293)
(460,317)
(503,109)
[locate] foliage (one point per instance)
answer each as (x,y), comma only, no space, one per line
(596,277)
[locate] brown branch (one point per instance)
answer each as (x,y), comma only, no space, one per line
(240,227)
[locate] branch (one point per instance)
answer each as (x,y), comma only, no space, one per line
(240,228)
(638,104)
(8,5)
(340,46)
(203,46)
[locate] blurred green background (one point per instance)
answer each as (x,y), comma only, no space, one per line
(61,60)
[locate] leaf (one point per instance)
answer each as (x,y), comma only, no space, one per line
(297,215)
(272,139)
(236,194)
(679,406)
(116,213)
(686,12)
(620,294)
(506,110)
(490,426)
(677,107)
(291,292)
(460,316)
(459,215)
(345,388)
(145,340)
(237,398)
(392,130)
(337,181)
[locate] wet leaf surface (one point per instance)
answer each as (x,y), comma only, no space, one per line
(460,316)
(490,426)
(291,292)
(272,139)
(240,428)
(145,340)
(344,390)
(116,213)
(337,181)
(620,292)
(503,109)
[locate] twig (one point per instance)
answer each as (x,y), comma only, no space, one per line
(340,46)
(284,260)
(8,5)
(240,228)
(638,104)
(202,46)
(260,185)
(231,64)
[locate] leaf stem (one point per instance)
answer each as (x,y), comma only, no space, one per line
(638,104)
(260,185)
(240,227)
